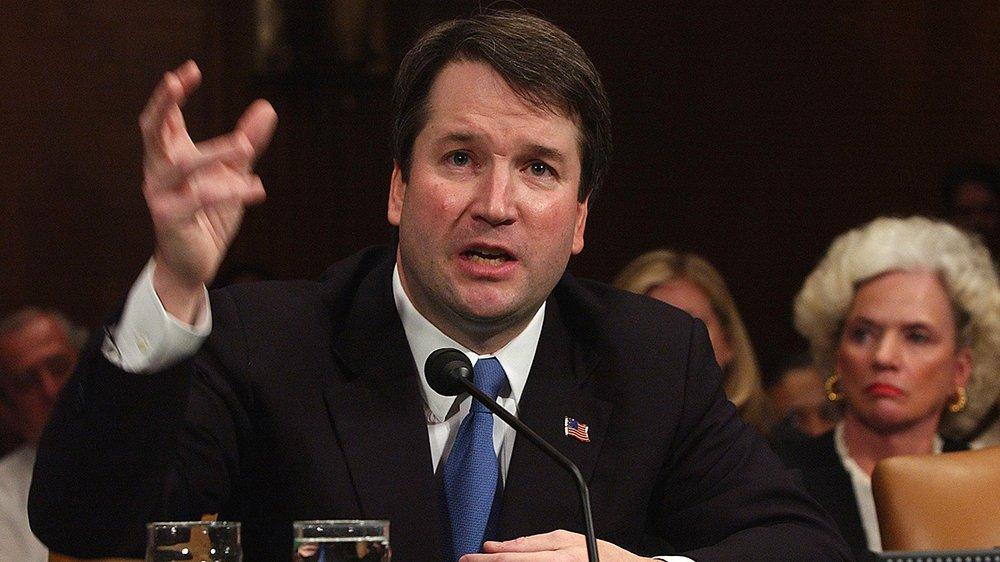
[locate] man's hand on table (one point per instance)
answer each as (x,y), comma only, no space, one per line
(552,546)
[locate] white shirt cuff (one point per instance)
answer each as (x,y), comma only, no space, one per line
(148,338)
(674,558)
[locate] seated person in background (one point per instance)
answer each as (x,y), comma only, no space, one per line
(799,401)
(972,201)
(903,314)
(308,399)
(971,194)
(38,351)
(690,283)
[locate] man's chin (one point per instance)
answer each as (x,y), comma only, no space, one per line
(484,305)
(487,319)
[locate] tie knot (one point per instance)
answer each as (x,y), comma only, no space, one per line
(489,376)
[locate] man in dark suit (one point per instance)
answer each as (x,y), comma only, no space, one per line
(308,400)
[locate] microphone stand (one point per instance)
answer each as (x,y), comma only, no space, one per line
(523,429)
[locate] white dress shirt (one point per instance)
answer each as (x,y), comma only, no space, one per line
(16,540)
(445,413)
(862,484)
(147,339)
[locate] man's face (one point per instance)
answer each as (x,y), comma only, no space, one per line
(489,216)
(35,363)
(799,393)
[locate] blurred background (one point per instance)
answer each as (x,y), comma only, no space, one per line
(750,133)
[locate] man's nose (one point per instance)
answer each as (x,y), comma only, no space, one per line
(495,203)
(50,383)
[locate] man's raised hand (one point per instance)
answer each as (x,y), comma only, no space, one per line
(196,193)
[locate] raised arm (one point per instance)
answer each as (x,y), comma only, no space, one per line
(196,192)
(109,459)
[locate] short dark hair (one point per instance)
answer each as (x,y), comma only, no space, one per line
(539,61)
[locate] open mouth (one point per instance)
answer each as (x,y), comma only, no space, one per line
(487,256)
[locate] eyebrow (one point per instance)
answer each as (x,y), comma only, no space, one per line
(458,137)
(535,150)
(547,152)
(915,324)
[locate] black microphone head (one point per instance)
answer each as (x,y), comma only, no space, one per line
(444,370)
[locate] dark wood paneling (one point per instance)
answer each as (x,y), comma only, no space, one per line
(749,135)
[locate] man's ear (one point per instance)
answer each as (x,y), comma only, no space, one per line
(581,224)
(397,192)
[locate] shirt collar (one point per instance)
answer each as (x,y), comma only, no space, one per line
(852,467)
(425,338)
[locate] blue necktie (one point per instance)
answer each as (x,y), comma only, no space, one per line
(472,472)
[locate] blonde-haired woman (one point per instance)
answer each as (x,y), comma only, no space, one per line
(690,283)
(904,315)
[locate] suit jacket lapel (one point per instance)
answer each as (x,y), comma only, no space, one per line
(539,495)
(378,416)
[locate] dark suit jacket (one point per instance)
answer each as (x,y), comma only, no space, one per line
(305,404)
(830,484)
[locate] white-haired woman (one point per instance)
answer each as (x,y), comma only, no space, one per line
(904,315)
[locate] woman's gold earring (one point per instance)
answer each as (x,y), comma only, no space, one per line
(958,404)
(829,386)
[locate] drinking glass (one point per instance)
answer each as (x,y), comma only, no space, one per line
(341,541)
(195,541)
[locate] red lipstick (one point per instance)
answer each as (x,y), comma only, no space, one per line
(884,390)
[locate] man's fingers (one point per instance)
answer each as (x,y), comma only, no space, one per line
(220,184)
(164,104)
(255,192)
(182,178)
(165,96)
(258,123)
(215,186)
(190,76)
(553,540)
(233,150)
(542,556)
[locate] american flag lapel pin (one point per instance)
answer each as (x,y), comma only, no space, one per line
(577,430)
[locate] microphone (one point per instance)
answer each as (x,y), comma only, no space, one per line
(449,373)
(445,370)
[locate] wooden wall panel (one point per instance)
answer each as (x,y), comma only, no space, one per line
(76,75)
(749,135)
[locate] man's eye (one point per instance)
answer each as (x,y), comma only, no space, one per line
(460,159)
(539,169)
(919,337)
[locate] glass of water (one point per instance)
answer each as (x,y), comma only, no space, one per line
(196,541)
(341,540)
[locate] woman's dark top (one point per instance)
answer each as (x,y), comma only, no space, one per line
(828,482)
